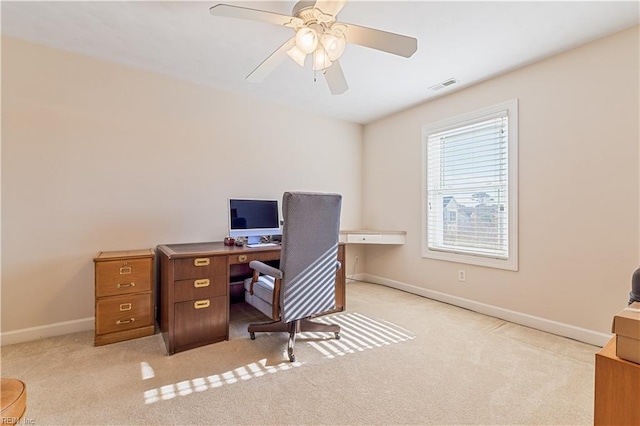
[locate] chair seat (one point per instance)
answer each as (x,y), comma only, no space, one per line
(13,397)
(263,288)
(262,294)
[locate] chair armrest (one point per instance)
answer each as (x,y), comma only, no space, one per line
(265,269)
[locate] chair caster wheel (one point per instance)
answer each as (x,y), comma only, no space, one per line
(338,336)
(253,336)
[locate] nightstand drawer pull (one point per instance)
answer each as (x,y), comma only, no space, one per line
(201,283)
(125,306)
(129,321)
(203,261)
(201,304)
(125,270)
(126,285)
(242,258)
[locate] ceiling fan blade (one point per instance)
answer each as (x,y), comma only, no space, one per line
(230,11)
(335,79)
(330,7)
(381,40)
(271,63)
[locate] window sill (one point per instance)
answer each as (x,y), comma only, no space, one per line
(510,264)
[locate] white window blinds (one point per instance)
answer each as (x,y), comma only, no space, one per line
(467,187)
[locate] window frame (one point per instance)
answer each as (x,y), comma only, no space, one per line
(511,261)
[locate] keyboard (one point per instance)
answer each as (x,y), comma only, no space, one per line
(262,245)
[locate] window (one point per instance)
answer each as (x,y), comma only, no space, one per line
(470,188)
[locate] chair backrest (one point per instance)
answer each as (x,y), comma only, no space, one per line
(309,253)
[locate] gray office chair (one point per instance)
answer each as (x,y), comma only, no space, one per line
(304,285)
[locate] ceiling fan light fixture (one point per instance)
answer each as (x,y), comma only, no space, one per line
(307,39)
(321,59)
(297,55)
(334,44)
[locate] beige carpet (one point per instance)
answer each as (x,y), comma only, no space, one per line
(402,359)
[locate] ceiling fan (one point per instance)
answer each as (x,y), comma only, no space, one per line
(317,33)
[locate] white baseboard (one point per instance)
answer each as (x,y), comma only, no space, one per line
(577,333)
(566,330)
(50,330)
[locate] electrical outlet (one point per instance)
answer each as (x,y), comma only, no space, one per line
(462,275)
(356,258)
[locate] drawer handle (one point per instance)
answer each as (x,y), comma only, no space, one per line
(125,307)
(201,283)
(125,270)
(126,285)
(201,304)
(203,261)
(129,321)
(242,258)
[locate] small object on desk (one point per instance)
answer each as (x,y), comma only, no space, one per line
(228,241)
(634,294)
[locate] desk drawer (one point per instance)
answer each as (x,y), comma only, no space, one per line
(364,238)
(200,321)
(120,313)
(248,257)
(123,277)
(200,267)
(201,288)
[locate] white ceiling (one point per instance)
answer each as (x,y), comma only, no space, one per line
(470,41)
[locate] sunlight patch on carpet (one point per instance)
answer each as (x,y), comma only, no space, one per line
(358,333)
(200,384)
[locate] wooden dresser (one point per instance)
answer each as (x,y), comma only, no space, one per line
(194,289)
(124,295)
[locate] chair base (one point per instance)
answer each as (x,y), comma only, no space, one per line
(293,327)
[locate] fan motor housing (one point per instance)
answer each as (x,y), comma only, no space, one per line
(304,10)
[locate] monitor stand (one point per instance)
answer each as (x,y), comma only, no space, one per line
(253,240)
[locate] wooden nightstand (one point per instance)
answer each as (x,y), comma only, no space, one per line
(617,389)
(124,295)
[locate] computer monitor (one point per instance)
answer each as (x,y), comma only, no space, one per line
(253,218)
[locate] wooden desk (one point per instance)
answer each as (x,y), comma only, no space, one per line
(617,389)
(194,289)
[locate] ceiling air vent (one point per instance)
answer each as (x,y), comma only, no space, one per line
(446,83)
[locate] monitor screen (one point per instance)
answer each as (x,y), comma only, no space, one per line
(253,218)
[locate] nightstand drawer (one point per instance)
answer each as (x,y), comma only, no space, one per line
(200,267)
(116,277)
(248,257)
(120,313)
(201,288)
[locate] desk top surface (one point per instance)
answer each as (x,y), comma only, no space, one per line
(208,249)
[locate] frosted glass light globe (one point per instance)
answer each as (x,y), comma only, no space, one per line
(307,39)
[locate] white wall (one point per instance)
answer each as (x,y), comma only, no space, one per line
(98,156)
(578,196)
